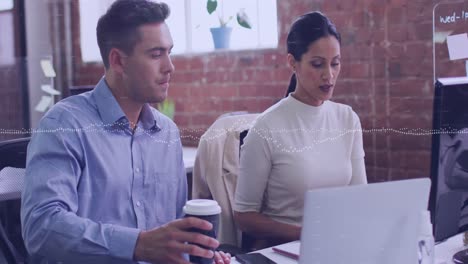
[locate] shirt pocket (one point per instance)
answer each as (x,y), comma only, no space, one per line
(162,188)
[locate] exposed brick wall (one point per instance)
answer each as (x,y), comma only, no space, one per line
(12,107)
(386,77)
(215,83)
(11,102)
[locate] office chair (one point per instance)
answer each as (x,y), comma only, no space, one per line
(75,90)
(12,154)
(215,173)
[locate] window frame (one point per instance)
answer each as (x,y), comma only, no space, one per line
(86,44)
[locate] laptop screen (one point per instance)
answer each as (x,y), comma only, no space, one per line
(373,223)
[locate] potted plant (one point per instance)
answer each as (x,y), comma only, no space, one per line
(167,107)
(222,34)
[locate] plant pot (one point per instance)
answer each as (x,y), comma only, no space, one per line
(221,37)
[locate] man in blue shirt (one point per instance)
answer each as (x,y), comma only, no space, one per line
(105,180)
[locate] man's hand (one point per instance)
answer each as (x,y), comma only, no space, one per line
(166,244)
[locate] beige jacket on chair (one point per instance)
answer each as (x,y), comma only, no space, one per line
(216,168)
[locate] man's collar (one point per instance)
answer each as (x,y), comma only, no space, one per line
(111,113)
(148,119)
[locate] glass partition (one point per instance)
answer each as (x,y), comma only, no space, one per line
(450,39)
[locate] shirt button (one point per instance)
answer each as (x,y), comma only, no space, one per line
(138,204)
(137,169)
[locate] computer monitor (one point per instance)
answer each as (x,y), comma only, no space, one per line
(449,164)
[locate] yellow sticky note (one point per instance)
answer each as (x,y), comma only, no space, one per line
(48,89)
(48,68)
(44,104)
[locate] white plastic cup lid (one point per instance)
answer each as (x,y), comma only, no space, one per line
(202,207)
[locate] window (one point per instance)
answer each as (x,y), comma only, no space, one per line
(190,25)
(7,41)
(6,5)
(90,11)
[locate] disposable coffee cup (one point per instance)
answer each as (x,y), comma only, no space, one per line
(208,210)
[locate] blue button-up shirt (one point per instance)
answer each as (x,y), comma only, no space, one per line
(92,184)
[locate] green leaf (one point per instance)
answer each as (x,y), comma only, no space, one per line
(211,6)
(243,19)
(167,108)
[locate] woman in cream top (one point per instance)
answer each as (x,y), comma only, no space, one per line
(303,142)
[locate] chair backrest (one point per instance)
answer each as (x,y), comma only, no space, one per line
(8,252)
(242,136)
(216,168)
(12,154)
(75,90)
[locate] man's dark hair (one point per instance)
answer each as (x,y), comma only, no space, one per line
(118,27)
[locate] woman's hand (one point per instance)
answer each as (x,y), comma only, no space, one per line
(222,258)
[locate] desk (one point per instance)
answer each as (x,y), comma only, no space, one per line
(189,154)
(268,252)
(11,186)
(189,158)
(443,252)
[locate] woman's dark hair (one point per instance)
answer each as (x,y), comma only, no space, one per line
(304,31)
(118,27)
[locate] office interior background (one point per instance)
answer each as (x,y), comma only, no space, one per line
(387,67)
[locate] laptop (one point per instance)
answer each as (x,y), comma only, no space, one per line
(364,224)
